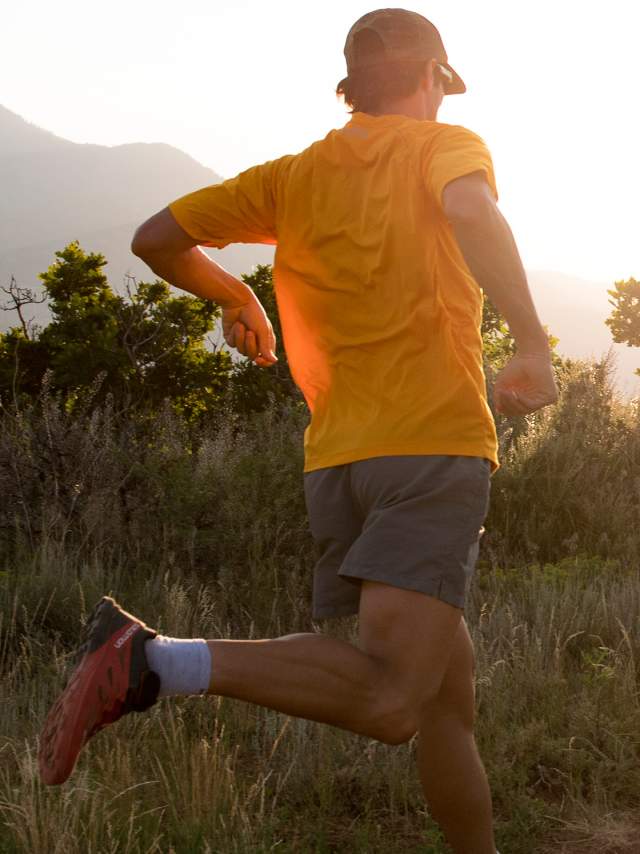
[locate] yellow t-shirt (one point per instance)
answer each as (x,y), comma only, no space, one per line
(379,312)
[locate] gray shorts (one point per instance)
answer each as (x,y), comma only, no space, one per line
(408,521)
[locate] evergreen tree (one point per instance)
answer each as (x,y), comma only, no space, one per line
(624,320)
(146,346)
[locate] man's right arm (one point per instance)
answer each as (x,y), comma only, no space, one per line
(527,383)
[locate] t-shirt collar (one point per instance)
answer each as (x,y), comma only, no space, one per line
(386,120)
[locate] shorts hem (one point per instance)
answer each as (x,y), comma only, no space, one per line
(328,612)
(438,588)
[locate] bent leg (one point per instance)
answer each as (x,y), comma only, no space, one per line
(310,676)
(377,689)
(411,671)
(453,777)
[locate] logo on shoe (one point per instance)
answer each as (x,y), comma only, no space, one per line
(133,628)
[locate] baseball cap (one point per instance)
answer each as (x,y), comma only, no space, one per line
(404,36)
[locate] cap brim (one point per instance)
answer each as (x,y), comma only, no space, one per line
(457,85)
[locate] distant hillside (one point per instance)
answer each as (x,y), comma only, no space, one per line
(55,191)
(575,311)
(22,138)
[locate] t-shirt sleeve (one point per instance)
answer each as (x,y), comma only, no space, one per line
(456,152)
(239,210)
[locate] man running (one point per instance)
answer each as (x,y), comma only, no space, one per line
(386,231)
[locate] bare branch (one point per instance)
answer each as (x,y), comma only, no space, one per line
(20,297)
(137,311)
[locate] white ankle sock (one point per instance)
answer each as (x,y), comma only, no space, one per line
(183,664)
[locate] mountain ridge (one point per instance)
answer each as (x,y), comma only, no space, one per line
(16,133)
(56,191)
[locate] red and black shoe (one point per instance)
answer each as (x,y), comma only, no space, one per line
(112,679)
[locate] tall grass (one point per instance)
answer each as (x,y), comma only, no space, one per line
(570,481)
(203,531)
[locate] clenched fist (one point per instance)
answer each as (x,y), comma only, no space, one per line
(525,384)
(249,330)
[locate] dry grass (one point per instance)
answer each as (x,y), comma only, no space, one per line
(204,532)
(559,728)
(598,833)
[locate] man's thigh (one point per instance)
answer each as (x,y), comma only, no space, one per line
(412,635)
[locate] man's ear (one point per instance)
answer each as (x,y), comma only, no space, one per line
(429,76)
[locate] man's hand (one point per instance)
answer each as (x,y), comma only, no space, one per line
(247,328)
(525,384)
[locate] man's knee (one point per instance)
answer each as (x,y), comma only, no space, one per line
(408,635)
(400,708)
(396,737)
(455,700)
(395,726)
(396,713)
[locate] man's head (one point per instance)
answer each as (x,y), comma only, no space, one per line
(395,59)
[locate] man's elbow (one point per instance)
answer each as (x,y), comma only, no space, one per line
(136,244)
(160,235)
(143,244)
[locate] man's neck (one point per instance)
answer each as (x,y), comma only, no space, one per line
(413,109)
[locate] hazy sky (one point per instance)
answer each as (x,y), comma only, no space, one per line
(552,87)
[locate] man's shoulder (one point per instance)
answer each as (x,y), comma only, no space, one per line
(442,131)
(433,135)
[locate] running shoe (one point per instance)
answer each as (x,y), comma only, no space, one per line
(111,679)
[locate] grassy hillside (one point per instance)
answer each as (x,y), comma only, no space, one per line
(203,531)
